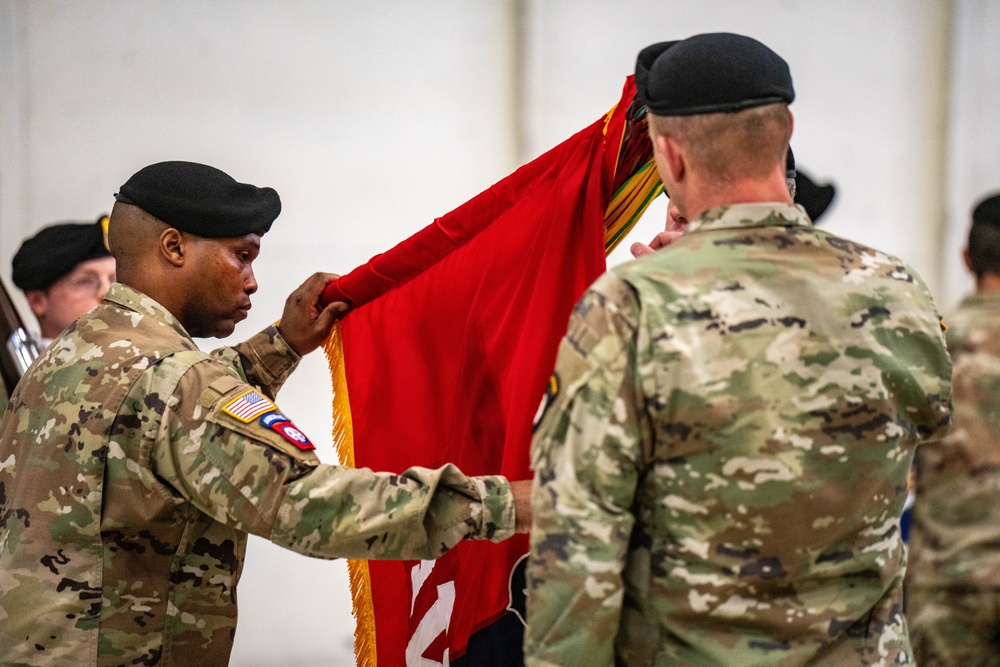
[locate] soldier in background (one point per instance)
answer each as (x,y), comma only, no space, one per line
(953,579)
(721,467)
(133,465)
(64,271)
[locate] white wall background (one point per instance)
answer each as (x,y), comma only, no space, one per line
(371,118)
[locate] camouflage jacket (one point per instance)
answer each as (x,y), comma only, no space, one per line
(721,465)
(132,467)
(955,538)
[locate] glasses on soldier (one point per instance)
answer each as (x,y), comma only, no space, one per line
(88,282)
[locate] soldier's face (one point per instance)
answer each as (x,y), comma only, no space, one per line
(72,295)
(223,284)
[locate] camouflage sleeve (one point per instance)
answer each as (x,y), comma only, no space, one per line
(420,514)
(586,457)
(246,465)
(265,360)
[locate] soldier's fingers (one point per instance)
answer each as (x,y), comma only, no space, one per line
(323,279)
(317,282)
(639,249)
(333,312)
(663,239)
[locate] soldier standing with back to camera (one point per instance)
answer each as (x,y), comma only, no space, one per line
(953,577)
(720,472)
(133,465)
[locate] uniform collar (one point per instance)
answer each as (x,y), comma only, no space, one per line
(136,301)
(766,214)
(981,298)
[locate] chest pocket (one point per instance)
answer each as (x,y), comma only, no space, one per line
(240,408)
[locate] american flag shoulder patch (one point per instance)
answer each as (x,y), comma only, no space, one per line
(248,406)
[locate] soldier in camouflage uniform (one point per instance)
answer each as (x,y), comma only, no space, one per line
(721,462)
(953,580)
(133,465)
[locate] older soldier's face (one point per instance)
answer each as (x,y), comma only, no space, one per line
(223,284)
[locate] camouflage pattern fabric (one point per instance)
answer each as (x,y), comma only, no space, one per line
(952,627)
(721,465)
(132,467)
(955,536)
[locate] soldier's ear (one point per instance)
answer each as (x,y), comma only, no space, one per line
(674,157)
(38,302)
(173,246)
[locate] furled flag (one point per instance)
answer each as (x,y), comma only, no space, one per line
(445,357)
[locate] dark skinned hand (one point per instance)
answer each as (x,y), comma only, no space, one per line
(305,324)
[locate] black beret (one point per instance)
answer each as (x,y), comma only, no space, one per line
(200,199)
(814,198)
(711,73)
(55,251)
(644,62)
(987,211)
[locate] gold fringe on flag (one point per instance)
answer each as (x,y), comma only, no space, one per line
(357,570)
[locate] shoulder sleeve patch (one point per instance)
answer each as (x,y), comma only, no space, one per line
(284,427)
(551,392)
(248,406)
(245,411)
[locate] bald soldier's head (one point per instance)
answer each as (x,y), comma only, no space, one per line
(187,235)
(132,236)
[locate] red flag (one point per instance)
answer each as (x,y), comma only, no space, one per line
(446,355)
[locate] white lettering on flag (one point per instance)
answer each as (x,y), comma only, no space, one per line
(434,622)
